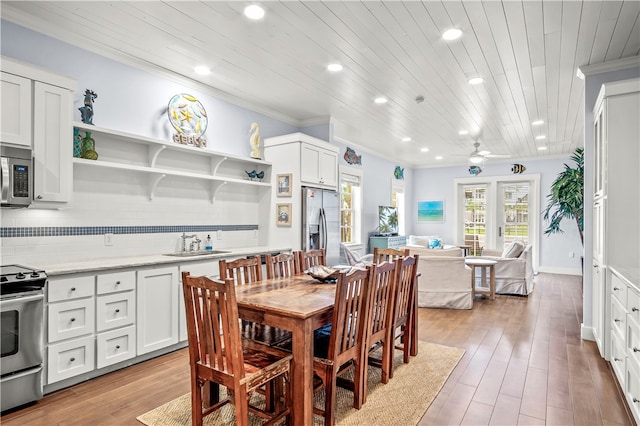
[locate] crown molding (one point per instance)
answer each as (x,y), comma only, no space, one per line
(615,65)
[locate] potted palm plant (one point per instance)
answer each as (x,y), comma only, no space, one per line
(566,200)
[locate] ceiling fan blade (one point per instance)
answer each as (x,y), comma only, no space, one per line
(498,155)
(484,153)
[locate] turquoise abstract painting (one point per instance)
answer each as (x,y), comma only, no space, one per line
(430,211)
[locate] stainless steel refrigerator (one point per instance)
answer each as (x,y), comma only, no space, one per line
(321,222)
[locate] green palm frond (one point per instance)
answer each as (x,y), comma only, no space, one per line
(566,200)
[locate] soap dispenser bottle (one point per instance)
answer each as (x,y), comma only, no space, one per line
(208,245)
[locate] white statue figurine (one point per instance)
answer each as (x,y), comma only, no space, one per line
(254,140)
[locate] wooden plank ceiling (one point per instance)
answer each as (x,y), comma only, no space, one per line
(526,51)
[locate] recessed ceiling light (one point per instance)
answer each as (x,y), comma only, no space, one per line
(542,148)
(476,80)
(424,150)
(451,34)
(335,67)
(463,132)
(406,139)
(537,122)
(202,70)
(254,12)
(439,157)
(380,100)
(541,137)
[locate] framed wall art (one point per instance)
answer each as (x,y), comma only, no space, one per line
(431,211)
(283,185)
(283,214)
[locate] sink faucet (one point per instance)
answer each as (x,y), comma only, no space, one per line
(184,241)
(197,241)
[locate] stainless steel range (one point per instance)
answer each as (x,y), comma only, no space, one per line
(21,343)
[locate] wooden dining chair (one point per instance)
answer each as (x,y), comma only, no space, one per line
(246,271)
(345,341)
(388,255)
(404,310)
(218,354)
(310,258)
(282,265)
(382,284)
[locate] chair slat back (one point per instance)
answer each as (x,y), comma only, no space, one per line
(388,255)
(312,258)
(242,271)
(349,316)
(381,300)
(407,269)
(213,326)
(282,265)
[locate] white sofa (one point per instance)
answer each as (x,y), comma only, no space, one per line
(514,275)
(444,281)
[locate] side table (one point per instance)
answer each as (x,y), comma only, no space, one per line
(483,264)
(465,250)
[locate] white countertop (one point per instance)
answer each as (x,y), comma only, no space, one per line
(101,264)
(632,275)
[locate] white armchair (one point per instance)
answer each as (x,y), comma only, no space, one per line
(444,282)
(514,275)
(352,258)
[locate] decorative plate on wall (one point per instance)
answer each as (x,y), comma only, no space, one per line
(187,115)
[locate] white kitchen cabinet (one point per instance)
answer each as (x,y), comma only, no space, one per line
(115,310)
(71,319)
(52,144)
(70,358)
(616,229)
(209,268)
(115,346)
(15,122)
(318,166)
(157,308)
(160,159)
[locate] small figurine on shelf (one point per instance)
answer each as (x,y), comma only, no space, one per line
(260,175)
(251,175)
(87,110)
(254,140)
(89,147)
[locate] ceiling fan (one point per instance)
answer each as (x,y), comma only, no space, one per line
(477,156)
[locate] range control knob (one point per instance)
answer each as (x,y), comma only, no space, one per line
(34,274)
(20,276)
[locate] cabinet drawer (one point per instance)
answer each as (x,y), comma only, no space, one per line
(619,289)
(618,358)
(632,388)
(68,288)
(633,305)
(68,359)
(70,319)
(115,346)
(633,340)
(618,317)
(117,281)
(115,310)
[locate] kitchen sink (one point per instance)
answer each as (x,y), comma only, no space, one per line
(196,253)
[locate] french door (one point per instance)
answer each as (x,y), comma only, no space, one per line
(494,211)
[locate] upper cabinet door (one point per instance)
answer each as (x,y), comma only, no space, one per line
(318,166)
(52,143)
(15,126)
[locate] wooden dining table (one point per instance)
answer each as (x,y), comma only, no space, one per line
(299,304)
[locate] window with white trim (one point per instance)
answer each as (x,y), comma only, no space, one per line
(350,205)
(398,200)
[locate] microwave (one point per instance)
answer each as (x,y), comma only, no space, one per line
(16,176)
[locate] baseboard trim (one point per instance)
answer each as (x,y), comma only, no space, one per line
(564,271)
(586,333)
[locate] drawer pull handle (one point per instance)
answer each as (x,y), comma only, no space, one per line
(617,359)
(616,289)
(72,319)
(73,289)
(634,309)
(636,349)
(117,310)
(117,347)
(117,282)
(71,359)
(636,400)
(617,320)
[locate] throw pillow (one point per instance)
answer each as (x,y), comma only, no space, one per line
(418,240)
(435,243)
(513,250)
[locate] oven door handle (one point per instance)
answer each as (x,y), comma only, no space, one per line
(20,301)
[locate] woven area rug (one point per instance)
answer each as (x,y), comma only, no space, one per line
(402,401)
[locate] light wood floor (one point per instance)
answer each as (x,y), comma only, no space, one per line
(524,364)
